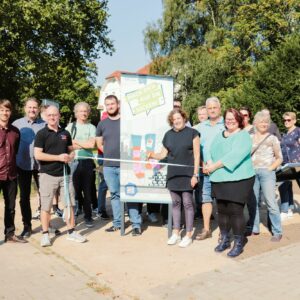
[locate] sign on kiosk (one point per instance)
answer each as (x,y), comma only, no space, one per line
(145,104)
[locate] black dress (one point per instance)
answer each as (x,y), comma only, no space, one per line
(180,151)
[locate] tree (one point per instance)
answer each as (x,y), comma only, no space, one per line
(211,47)
(255,26)
(275,82)
(48,48)
(199,73)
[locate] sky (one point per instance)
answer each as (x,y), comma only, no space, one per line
(127,21)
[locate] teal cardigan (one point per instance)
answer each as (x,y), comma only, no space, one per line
(235,154)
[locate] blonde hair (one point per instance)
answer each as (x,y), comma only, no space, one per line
(290,114)
(32,99)
(201,108)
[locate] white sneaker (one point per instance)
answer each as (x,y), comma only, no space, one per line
(36,215)
(174,239)
(76,237)
(290,214)
(45,240)
(152,218)
(185,242)
(283,216)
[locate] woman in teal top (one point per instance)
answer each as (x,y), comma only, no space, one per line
(232,176)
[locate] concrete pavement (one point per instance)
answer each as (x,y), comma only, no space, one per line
(114,267)
(30,272)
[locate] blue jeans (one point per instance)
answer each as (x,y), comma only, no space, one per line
(265,180)
(286,196)
(206,190)
(102,190)
(134,215)
(112,178)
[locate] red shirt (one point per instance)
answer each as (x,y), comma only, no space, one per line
(9,144)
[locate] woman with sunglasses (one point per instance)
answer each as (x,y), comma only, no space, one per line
(247,114)
(290,146)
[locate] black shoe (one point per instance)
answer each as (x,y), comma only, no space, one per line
(238,246)
(165,223)
(26,233)
(136,231)
(89,223)
(224,242)
(54,231)
(104,215)
(112,229)
(14,239)
(59,213)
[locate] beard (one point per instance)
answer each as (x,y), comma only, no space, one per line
(114,114)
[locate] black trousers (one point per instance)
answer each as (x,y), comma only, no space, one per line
(94,191)
(24,181)
(231,216)
(83,179)
(9,188)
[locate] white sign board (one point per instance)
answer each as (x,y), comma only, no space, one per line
(145,104)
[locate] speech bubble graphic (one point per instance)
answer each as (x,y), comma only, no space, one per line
(145,99)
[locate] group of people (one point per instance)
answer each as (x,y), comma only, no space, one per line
(238,161)
(61,161)
(227,159)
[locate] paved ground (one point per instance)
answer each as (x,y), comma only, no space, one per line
(273,275)
(112,267)
(28,272)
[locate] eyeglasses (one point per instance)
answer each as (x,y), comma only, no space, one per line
(230,120)
(287,120)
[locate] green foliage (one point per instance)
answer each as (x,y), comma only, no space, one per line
(213,47)
(47,49)
(275,82)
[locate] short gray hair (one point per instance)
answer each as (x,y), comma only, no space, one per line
(262,116)
(213,99)
(77,105)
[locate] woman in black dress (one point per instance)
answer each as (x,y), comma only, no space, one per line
(181,145)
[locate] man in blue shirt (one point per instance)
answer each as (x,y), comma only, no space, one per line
(27,166)
(208,131)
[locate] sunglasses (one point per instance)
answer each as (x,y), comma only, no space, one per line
(287,120)
(245,115)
